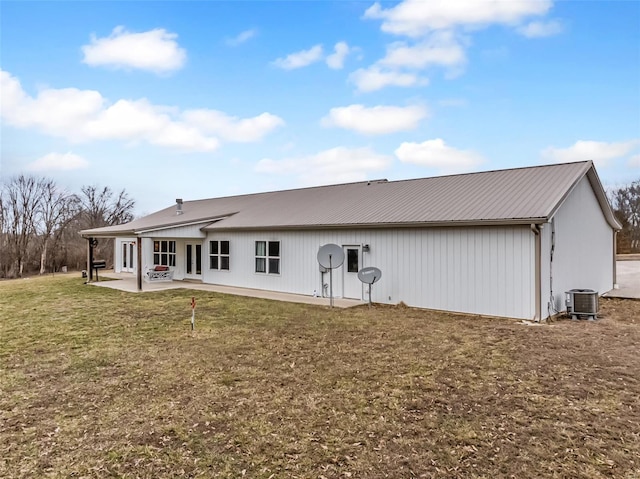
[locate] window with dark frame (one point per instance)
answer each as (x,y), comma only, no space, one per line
(268,257)
(219,255)
(164,253)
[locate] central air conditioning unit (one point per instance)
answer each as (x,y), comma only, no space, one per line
(582,302)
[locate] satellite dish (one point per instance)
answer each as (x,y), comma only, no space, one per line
(369,275)
(330,256)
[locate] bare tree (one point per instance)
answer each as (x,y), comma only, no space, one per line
(57,209)
(626,206)
(40,223)
(5,257)
(103,207)
(22,197)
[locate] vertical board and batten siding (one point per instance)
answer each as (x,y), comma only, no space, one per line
(583,257)
(481,270)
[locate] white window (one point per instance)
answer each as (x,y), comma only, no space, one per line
(268,257)
(164,253)
(219,255)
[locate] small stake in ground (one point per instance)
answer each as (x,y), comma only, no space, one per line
(193,313)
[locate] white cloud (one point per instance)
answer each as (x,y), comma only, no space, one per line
(375,78)
(84,115)
(441,48)
(241,38)
(57,112)
(538,29)
(376,120)
(599,152)
(336,59)
(436,154)
(155,50)
(232,128)
(439,31)
(418,17)
(58,162)
(336,165)
(300,59)
(634,161)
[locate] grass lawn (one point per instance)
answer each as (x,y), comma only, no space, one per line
(99,383)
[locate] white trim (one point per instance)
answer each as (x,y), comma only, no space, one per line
(179,225)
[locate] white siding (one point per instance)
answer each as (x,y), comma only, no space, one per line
(583,257)
(483,270)
(192,231)
(179,270)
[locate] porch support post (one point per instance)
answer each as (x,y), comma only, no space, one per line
(139,265)
(89,259)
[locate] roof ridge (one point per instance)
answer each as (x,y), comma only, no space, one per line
(380,181)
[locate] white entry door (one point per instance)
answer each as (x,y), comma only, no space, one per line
(352,287)
(193,258)
(128,259)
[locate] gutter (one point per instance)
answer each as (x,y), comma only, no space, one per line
(416,224)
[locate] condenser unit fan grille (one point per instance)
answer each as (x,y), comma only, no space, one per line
(585,303)
(582,302)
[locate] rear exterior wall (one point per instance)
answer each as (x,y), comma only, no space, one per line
(479,270)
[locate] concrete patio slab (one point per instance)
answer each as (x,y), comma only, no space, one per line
(127,282)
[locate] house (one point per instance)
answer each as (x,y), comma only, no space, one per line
(501,243)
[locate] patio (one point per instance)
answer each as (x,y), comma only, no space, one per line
(127,282)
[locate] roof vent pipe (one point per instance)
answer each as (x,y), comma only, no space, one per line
(179,206)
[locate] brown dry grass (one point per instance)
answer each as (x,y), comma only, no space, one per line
(100,383)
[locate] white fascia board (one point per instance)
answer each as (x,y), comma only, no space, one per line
(168,227)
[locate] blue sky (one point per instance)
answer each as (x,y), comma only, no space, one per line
(203,99)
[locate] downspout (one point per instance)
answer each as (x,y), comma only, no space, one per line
(538,265)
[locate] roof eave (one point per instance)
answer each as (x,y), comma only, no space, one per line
(106,232)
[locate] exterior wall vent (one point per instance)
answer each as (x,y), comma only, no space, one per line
(582,302)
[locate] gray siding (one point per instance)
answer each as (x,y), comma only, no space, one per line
(481,270)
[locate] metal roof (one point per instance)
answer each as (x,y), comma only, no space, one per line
(514,196)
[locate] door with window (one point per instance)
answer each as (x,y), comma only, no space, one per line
(193,258)
(352,287)
(128,259)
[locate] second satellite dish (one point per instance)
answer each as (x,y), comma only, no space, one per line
(369,275)
(330,256)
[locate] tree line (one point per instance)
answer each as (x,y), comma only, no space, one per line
(40,224)
(626,206)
